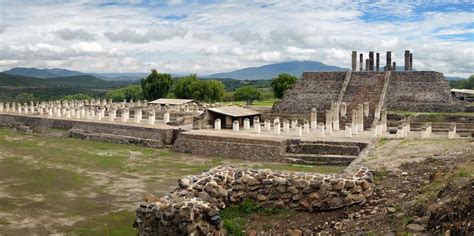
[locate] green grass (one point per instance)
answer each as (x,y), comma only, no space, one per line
(118,223)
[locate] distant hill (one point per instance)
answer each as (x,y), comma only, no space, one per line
(42,73)
(455,78)
(295,68)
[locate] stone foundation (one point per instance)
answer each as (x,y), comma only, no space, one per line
(193,208)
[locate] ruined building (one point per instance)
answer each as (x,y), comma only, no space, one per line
(385,87)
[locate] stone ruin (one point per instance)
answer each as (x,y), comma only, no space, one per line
(193,207)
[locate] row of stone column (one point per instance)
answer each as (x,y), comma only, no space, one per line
(369,62)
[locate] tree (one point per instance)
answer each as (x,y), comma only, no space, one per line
(130,92)
(25,97)
(281,83)
(190,87)
(156,85)
(248,94)
(77,96)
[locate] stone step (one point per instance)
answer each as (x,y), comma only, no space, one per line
(315,159)
(324,149)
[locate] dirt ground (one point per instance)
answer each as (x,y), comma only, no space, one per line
(421,186)
(77,187)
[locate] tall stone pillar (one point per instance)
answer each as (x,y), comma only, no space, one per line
(235,125)
(268,125)
(217,124)
(366,64)
(360,117)
(166,117)
(377,61)
(343,109)
(286,126)
(276,127)
(256,126)
(407,60)
(335,116)
(383,118)
(138,116)
(354,122)
(411,61)
(394,66)
(299,131)
(389,61)
(314,118)
(125,115)
(361,62)
(354,60)
(320,130)
(328,121)
(246,124)
(366,109)
(1,106)
(306,126)
(348,130)
(371,61)
(112,115)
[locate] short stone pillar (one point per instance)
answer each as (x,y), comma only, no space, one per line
(424,132)
(7,107)
(452,131)
(40,110)
(68,113)
(235,125)
(294,123)
(276,127)
(400,132)
(373,131)
(257,127)
(366,109)
(343,109)
(354,123)
(378,126)
(166,117)
(125,115)
(320,132)
(112,114)
(306,126)
(348,130)
(19,108)
(151,116)
(1,106)
(360,117)
(328,122)
(99,114)
(217,124)
(335,116)
(299,131)
(246,124)
(314,119)
(286,126)
(91,113)
(268,126)
(138,116)
(50,112)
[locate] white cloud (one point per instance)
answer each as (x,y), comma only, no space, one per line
(79,34)
(87,47)
(203,36)
(132,36)
(245,36)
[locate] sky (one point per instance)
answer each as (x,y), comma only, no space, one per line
(208,36)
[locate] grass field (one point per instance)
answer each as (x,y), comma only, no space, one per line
(78,187)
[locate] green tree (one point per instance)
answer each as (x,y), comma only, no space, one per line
(77,96)
(281,83)
(156,85)
(25,97)
(216,90)
(130,92)
(190,87)
(182,88)
(248,94)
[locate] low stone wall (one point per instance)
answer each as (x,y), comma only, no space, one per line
(94,130)
(193,208)
(231,147)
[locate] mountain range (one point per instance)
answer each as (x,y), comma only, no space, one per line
(265,72)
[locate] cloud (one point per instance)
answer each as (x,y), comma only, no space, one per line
(203,36)
(245,36)
(131,36)
(3,28)
(79,34)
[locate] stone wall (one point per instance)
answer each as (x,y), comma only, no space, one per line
(407,90)
(231,147)
(193,208)
(119,133)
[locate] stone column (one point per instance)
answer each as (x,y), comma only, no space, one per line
(411,61)
(320,130)
(235,125)
(7,107)
(40,110)
(50,112)
(299,131)
(407,60)
(394,66)
(354,60)
(99,114)
(366,109)
(374,131)
(328,122)
(389,61)
(424,131)
(294,123)
(335,116)
(19,108)
(91,113)
(366,64)
(68,113)
(1,106)
(314,117)
(217,124)
(306,126)
(246,124)
(151,116)
(286,126)
(452,131)
(256,125)
(276,127)
(348,130)
(361,62)
(377,61)
(429,128)
(112,114)
(138,116)
(343,109)
(166,117)
(371,61)
(268,125)
(378,125)
(125,115)
(360,117)
(255,120)
(400,132)
(355,130)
